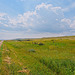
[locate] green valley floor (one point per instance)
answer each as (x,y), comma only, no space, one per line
(44,56)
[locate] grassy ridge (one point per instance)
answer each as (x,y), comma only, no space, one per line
(55,57)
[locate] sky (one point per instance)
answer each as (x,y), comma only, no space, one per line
(36,18)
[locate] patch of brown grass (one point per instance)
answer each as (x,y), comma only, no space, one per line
(8,60)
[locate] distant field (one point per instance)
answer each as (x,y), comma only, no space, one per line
(46,56)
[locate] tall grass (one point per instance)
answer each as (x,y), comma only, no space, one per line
(1,48)
(56,56)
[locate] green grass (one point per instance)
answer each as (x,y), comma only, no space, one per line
(55,57)
(1,48)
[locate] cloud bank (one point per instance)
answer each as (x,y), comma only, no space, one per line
(45,18)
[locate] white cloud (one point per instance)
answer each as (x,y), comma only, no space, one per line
(2,14)
(4,30)
(68,21)
(5,25)
(13,35)
(73,25)
(45,18)
(43,5)
(68,8)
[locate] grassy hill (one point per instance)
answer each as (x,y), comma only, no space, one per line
(45,56)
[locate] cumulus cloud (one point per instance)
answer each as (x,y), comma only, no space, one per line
(68,8)
(4,19)
(43,5)
(73,24)
(68,21)
(45,18)
(2,14)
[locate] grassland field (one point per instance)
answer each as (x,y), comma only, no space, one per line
(45,56)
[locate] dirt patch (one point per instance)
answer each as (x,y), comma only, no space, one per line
(20,63)
(8,60)
(25,70)
(7,50)
(1,43)
(15,55)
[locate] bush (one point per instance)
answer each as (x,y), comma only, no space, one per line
(28,40)
(41,44)
(31,50)
(35,43)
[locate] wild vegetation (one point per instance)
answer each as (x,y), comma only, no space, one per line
(46,56)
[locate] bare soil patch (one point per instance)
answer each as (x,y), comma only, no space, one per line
(8,60)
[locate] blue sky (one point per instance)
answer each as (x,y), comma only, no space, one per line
(36,18)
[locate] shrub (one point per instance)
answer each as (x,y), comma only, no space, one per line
(28,40)
(53,41)
(35,43)
(41,44)
(31,50)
